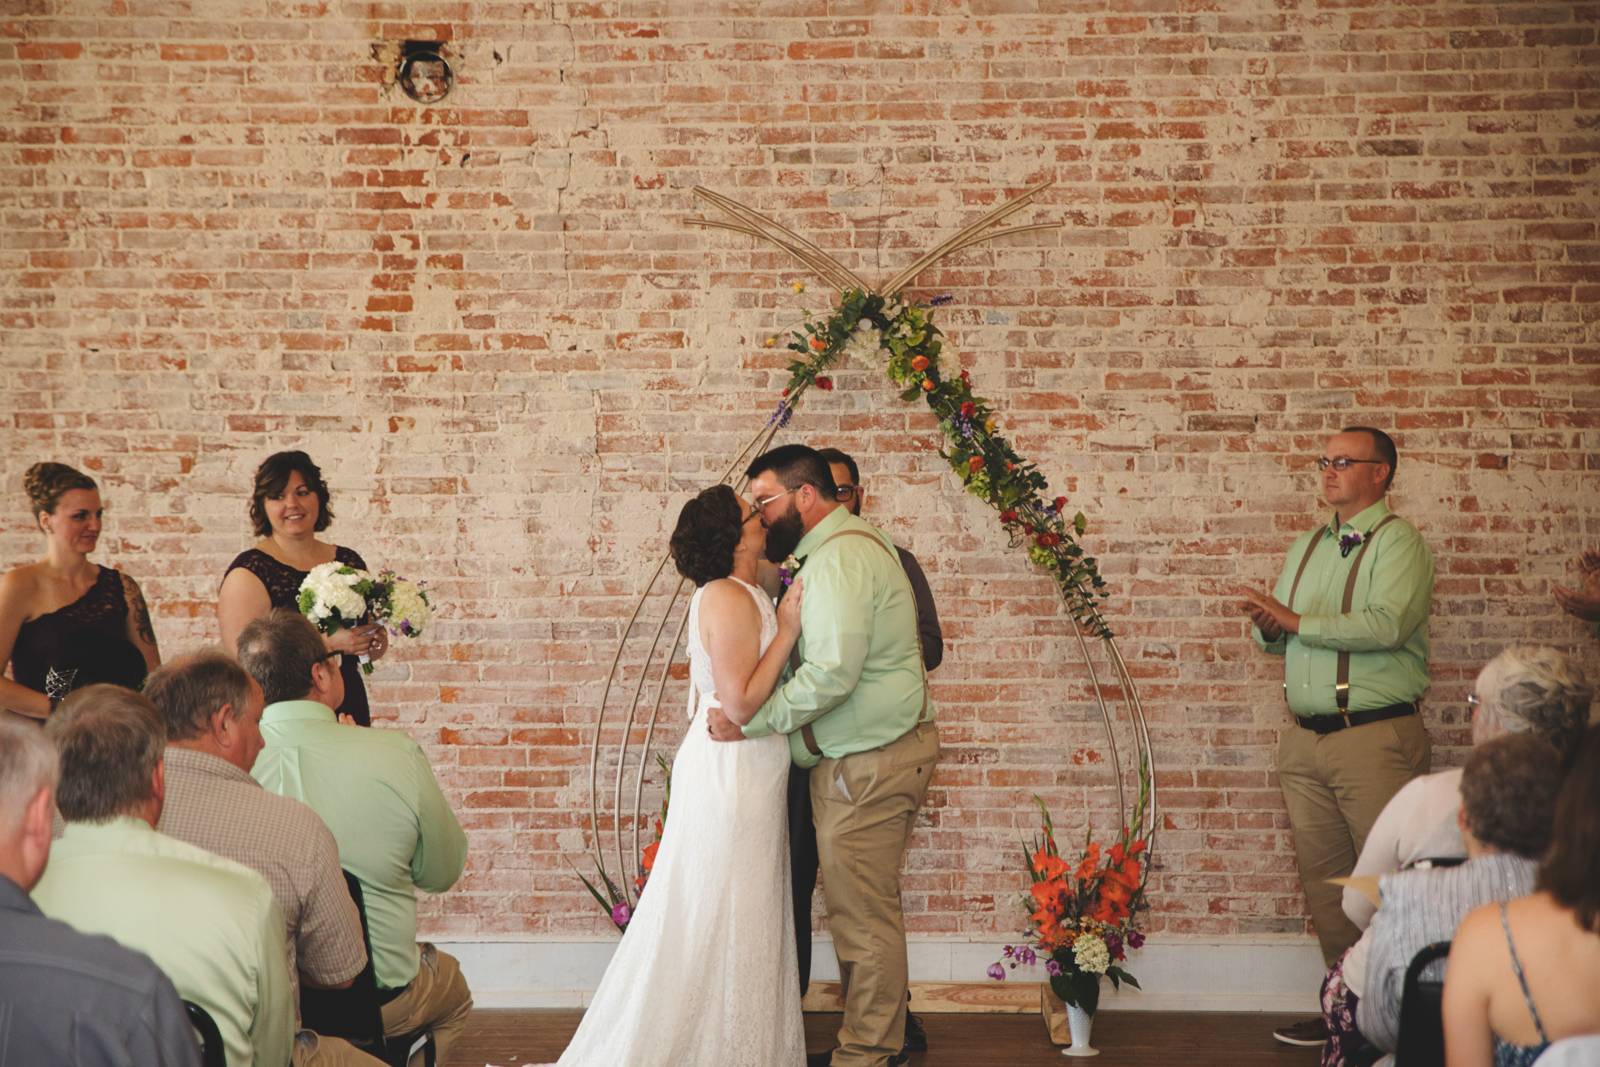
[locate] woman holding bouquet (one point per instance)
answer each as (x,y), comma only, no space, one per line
(66,622)
(288,508)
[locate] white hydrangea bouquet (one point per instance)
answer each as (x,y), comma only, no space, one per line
(337,596)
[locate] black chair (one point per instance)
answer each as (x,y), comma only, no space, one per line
(212,1054)
(1421,1041)
(356,1013)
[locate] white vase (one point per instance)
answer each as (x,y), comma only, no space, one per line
(1081,1023)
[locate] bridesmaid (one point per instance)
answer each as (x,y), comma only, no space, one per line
(85,622)
(288,509)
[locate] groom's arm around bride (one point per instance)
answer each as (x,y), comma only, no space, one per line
(857,708)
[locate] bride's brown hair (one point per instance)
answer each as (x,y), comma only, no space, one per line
(708,530)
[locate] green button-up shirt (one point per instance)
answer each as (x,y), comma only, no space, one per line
(1385,631)
(210,924)
(376,791)
(860,682)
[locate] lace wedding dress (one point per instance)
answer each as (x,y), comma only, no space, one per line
(706,975)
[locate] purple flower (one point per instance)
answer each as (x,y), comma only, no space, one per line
(1052,968)
(941,300)
(963,426)
(405,627)
(1349,541)
(781,414)
(997,972)
(1028,956)
(1114,943)
(621,914)
(1007,952)
(1135,939)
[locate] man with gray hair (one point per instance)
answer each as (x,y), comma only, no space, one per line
(208,922)
(213,717)
(70,998)
(376,791)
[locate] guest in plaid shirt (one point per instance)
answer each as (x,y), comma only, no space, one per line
(213,714)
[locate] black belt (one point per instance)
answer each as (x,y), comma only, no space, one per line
(1328,724)
(386,995)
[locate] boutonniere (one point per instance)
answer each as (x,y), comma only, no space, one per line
(1350,541)
(788,569)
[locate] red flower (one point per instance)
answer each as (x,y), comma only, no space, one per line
(966,379)
(968,408)
(928,385)
(975,464)
(786,392)
(824,384)
(1061,502)
(1048,539)
(1008,516)
(919,363)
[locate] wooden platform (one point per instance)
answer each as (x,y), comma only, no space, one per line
(1156,1039)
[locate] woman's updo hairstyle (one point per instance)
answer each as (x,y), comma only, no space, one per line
(272,478)
(47,483)
(708,530)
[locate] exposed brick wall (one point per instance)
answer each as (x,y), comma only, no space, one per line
(225,233)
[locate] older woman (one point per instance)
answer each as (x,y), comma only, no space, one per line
(1508,799)
(1523,975)
(66,622)
(288,508)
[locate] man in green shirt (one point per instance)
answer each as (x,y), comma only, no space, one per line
(376,791)
(211,924)
(1350,617)
(856,710)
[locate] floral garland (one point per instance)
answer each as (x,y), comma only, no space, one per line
(867,325)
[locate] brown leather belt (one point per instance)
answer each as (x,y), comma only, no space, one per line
(1328,724)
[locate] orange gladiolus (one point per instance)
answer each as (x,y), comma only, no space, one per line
(1091,860)
(1047,866)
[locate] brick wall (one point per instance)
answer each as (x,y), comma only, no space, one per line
(225,232)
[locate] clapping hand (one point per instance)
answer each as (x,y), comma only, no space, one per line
(1269,614)
(1583,602)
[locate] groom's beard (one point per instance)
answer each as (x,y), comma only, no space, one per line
(784,535)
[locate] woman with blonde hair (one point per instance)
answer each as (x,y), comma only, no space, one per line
(66,622)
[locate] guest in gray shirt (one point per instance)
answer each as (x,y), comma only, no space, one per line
(67,998)
(1508,793)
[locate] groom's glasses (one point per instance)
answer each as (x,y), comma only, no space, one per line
(761,505)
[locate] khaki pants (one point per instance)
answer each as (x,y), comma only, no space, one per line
(437,998)
(864,806)
(315,1050)
(1334,786)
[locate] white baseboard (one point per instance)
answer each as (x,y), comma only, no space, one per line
(1260,974)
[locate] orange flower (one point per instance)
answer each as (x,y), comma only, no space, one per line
(1047,866)
(928,386)
(1091,860)
(1049,896)
(919,363)
(818,344)
(649,857)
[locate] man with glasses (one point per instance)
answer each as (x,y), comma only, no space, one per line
(1350,617)
(856,710)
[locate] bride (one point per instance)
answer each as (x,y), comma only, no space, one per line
(705,974)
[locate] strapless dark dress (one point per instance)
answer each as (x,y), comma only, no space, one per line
(283,587)
(87,641)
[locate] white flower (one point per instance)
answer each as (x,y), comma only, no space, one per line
(1089,952)
(329,598)
(408,609)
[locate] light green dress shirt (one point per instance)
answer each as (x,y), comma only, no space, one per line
(376,791)
(209,923)
(860,682)
(1386,630)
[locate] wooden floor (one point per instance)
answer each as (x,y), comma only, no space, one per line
(1190,1039)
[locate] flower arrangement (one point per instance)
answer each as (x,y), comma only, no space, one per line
(1083,916)
(337,596)
(904,335)
(1350,541)
(613,901)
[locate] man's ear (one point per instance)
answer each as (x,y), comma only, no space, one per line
(222,725)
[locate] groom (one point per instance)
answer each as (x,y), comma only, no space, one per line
(856,710)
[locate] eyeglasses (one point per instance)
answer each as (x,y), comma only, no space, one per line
(755,513)
(1473,703)
(1341,463)
(845,492)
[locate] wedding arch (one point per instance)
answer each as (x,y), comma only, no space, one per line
(874,322)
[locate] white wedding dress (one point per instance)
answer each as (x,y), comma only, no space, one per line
(706,974)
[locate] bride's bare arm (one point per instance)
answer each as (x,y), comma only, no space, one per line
(730,627)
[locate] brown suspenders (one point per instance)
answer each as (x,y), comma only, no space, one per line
(1341,681)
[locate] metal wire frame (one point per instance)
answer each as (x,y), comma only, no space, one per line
(752,223)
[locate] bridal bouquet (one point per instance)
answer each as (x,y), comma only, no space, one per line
(337,596)
(1082,920)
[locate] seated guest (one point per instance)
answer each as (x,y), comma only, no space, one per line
(212,710)
(1524,974)
(1525,689)
(209,923)
(1508,797)
(69,998)
(377,793)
